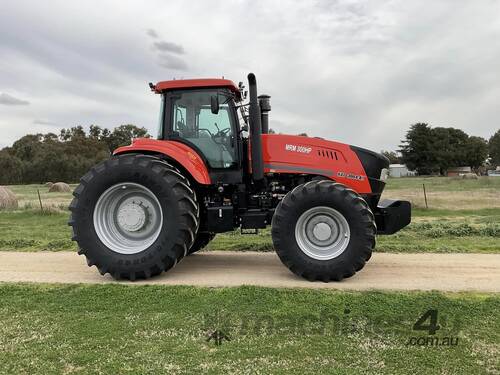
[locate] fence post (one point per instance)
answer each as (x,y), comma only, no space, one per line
(425,196)
(40,199)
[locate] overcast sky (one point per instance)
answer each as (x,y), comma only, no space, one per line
(355,71)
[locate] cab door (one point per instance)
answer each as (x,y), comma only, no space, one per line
(213,136)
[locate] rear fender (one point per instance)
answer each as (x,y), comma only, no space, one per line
(182,154)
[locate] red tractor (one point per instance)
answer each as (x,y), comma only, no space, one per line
(158,200)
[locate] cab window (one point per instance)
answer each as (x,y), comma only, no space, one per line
(213,134)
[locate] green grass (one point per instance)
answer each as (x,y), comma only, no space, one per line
(446,193)
(442,231)
(111,329)
(31,230)
(489,213)
(406,241)
(447,229)
(443,183)
(117,329)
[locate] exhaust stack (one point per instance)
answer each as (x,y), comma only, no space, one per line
(265,107)
(255,131)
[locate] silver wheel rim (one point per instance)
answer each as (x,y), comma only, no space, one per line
(128,218)
(322,233)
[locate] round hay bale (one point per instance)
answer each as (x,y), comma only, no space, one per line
(60,187)
(8,199)
(49,184)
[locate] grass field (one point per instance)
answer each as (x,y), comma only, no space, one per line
(446,192)
(28,197)
(449,225)
(112,329)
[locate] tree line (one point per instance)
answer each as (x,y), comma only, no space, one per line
(431,150)
(38,158)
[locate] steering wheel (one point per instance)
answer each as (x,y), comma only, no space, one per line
(222,133)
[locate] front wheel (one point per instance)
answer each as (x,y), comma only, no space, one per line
(134,216)
(323,230)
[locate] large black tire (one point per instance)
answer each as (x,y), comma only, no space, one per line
(202,240)
(350,205)
(180,213)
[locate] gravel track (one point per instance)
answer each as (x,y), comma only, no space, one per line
(384,271)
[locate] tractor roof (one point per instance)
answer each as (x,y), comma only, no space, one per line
(193,83)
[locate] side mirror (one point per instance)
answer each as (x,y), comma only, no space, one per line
(214,104)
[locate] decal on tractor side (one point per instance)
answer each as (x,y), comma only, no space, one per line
(296,148)
(350,176)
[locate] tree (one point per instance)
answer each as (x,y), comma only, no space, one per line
(11,168)
(494,148)
(26,147)
(417,149)
(123,135)
(74,132)
(476,151)
(392,156)
(50,137)
(95,132)
(37,158)
(448,148)
(430,150)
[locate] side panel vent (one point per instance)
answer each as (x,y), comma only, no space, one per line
(329,154)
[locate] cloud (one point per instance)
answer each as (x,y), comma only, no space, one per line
(355,71)
(166,51)
(152,33)
(172,62)
(169,47)
(44,122)
(7,99)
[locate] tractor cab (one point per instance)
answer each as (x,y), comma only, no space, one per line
(203,116)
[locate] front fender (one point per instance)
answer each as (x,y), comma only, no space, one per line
(179,152)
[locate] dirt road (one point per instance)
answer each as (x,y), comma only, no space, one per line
(446,272)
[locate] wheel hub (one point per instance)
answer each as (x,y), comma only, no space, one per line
(322,233)
(132,216)
(128,218)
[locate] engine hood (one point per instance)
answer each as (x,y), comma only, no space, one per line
(316,156)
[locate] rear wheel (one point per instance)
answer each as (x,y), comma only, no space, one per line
(202,240)
(323,230)
(134,216)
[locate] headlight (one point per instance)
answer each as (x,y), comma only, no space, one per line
(384,174)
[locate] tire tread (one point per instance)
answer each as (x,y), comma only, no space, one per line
(186,200)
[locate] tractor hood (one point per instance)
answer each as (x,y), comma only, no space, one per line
(335,160)
(374,164)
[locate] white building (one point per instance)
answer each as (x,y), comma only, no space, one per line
(494,173)
(400,170)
